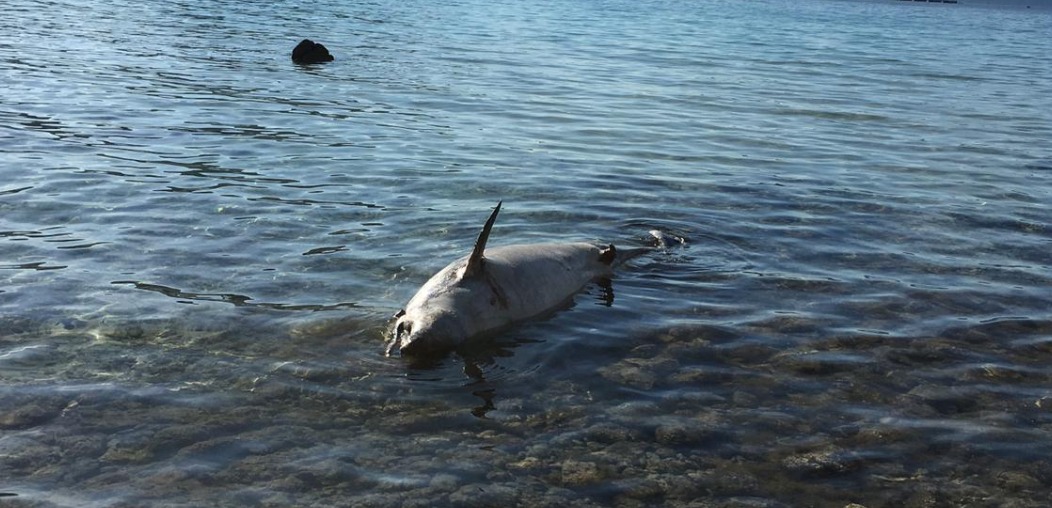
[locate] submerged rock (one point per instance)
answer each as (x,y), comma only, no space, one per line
(576,473)
(310,52)
(823,463)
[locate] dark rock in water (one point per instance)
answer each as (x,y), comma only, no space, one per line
(824,463)
(309,52)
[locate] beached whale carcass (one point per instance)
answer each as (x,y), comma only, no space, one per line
(492,289)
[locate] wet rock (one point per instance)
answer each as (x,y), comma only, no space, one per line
(821,363)
(379,499)
(19,453)
(223,449)
(28,415)
(634,409)
(557,497)
(629,374)
(645,351)
(500,476)
(748,354)
(648,487)
(729,481)
(639,372)
(685,433)
(783,324)
(84,446)
(687,399)
(823,463)
(128,333)
(129,449)
(701,335)
(845,431)
(751,502)
(927,352)
(609,433)
(576,473)
(1018,480)
(744,399)
(770,422)
(946,400)
(310,52)
(485,495)
(555,416)
(702,375)
(127,454)
(424,501)
(1007,374)
(680,486)
(636,489)
(16,325)
(528,463)
(926,497)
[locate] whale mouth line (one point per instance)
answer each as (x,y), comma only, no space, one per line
(392,345)
(401,330)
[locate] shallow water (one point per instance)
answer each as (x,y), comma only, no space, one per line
(201,244)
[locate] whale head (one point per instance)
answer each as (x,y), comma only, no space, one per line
(425,333)
(431,322)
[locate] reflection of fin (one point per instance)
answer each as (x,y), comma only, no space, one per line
(606,292)
(487,401)
(475,261)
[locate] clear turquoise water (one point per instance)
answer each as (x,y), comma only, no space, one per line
(201,244)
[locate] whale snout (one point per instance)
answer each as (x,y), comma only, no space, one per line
(424,335)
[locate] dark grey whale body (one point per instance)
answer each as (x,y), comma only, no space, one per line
(492,289)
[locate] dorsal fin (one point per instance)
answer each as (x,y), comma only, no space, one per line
(475,261)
